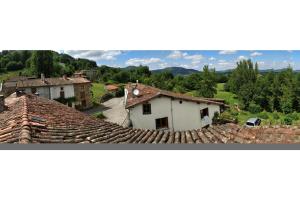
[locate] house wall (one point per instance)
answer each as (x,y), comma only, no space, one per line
(43,91)
(185,116)
(68,89)
(160,107)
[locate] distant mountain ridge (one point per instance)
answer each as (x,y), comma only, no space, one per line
(176,70)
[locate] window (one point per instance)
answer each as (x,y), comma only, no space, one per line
(147,109)
(180,102)
(204,112)
(62,94)
(61,88)
(162,123)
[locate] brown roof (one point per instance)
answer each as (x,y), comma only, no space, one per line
(51,82)
(33,119)
(111,87)
(148,92)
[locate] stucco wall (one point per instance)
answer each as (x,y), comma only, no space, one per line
(186,116)
(42,91)
(55,91)
(160,107)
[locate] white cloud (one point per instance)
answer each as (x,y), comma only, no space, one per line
(227,52)
(255,54)
(195,59)
(142,61)
(94,54)
(212,58)
(176,54)
(242,58)
(260,63)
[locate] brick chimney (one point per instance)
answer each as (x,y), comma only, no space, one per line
(2,106)
(43,77)
(65,77)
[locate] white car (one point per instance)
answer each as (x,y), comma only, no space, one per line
(253,122)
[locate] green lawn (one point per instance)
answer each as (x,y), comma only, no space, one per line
(229,97)
(98,90)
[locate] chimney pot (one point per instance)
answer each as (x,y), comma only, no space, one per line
(2,101)
(43,77)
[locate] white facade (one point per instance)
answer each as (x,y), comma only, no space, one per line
(182,114)
(53,92)
(68,91)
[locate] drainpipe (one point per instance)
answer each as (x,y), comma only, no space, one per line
(172,114)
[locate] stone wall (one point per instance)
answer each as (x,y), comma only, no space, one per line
(83,93)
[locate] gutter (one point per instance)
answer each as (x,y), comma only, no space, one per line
(172,114)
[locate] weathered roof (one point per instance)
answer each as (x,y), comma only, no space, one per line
(33,119)
(148,92)
(111,87)
(51,82)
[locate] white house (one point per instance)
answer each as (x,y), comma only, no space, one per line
(152,108)
(75,91)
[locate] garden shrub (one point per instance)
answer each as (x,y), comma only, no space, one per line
(263,115)
(294,116)
(106,97)
(276,115)
(287,120)
(99,115)
(254,108)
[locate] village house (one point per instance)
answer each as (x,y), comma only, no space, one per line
(152,108)
(28,118)
(74,91)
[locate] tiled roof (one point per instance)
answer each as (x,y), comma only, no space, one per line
(148,92)
(51,82)
(32,119)
(111,87)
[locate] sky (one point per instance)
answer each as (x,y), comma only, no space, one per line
(218,59)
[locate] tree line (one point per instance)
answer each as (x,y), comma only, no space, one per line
(272,91)
(48,62)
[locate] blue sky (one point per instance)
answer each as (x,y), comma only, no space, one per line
(218,59)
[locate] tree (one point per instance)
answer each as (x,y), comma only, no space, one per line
(13,66)
(207,86)
(42,62)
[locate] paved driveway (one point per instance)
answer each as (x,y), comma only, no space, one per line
(113,110)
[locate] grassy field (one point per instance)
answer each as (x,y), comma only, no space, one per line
(98,90)
(229,97)
(8,75)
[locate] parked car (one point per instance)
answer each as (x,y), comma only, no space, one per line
(253,122)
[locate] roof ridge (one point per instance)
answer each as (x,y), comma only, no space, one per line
(25,133)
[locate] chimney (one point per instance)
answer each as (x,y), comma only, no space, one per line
(2,106)
(65,77)
(43,77)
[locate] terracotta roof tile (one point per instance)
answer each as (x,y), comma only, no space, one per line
(111,87)
(51,82)
(147,93)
